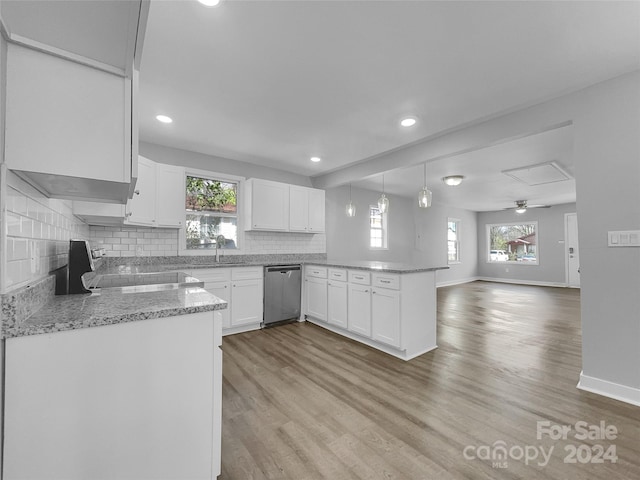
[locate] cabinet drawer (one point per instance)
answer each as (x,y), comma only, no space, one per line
(313,271)
(386,281)
(246,273)
(360,277)
(338,274)
(212,274)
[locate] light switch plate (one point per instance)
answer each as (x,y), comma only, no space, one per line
(624,238)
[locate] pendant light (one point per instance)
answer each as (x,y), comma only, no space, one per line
(424,196)
(383,201)
(350,210)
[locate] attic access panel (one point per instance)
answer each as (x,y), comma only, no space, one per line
(539,174)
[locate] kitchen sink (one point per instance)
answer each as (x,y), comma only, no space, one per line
(142,282)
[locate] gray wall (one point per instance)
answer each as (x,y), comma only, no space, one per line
(185,158)
(416,235)
(551,251)
(348,237)
(607,165)
(431,242)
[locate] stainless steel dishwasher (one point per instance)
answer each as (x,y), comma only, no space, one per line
(282,285)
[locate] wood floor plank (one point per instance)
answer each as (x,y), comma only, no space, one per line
(300,402)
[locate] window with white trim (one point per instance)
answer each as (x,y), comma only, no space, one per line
(211,211)
(378,232)
(453,240)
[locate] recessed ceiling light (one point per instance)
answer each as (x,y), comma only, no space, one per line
(209,3)
(408,122)
(164,119)
(315,159)
(453,180)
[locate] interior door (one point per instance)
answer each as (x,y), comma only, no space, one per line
(572,250)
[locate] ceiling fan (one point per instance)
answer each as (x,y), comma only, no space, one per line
(521,206)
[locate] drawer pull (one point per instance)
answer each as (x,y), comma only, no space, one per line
(357,277)
(385,281)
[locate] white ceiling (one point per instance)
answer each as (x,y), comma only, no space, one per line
(485,187)
(275,83)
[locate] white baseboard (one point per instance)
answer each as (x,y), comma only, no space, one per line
(457,282)
(240,329)
(522,282)
(401,354)
(609,389)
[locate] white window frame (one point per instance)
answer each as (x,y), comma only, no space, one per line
(458,223)
(384,229)
(223,177)
(512,262)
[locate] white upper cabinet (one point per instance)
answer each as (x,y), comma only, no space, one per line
(275,206)
(298,209)
(141,209)
(170,195)
(66,127)
(158,200)
(70,122)
(306,209)
(316,210)
(267,205)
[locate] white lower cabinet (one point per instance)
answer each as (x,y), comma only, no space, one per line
(246,302)
(133,400)
(395,313)
(337,303)
(221,290)
(242,289)
(316,297)
(359,318)
(385,316)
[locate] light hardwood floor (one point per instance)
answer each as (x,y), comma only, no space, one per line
(300,402)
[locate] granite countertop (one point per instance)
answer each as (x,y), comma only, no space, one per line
(182,267)
(386,267)
(70,312)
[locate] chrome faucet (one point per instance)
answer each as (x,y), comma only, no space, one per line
(220,240)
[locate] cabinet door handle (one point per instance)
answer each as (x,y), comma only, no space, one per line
(128,214)
(373,292)
(137,192)
(366,291)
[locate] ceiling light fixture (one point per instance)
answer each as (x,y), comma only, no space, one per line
(383,201)
(164,119)
(315,159)
(408,122)
(453,180)
(521,206)
(424,195)
(210,3)
(351,208)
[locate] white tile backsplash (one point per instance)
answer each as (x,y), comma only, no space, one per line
(128,241)
(37,235)
(131,241)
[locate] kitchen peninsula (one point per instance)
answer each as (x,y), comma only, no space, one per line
(388,306)
(115,385)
